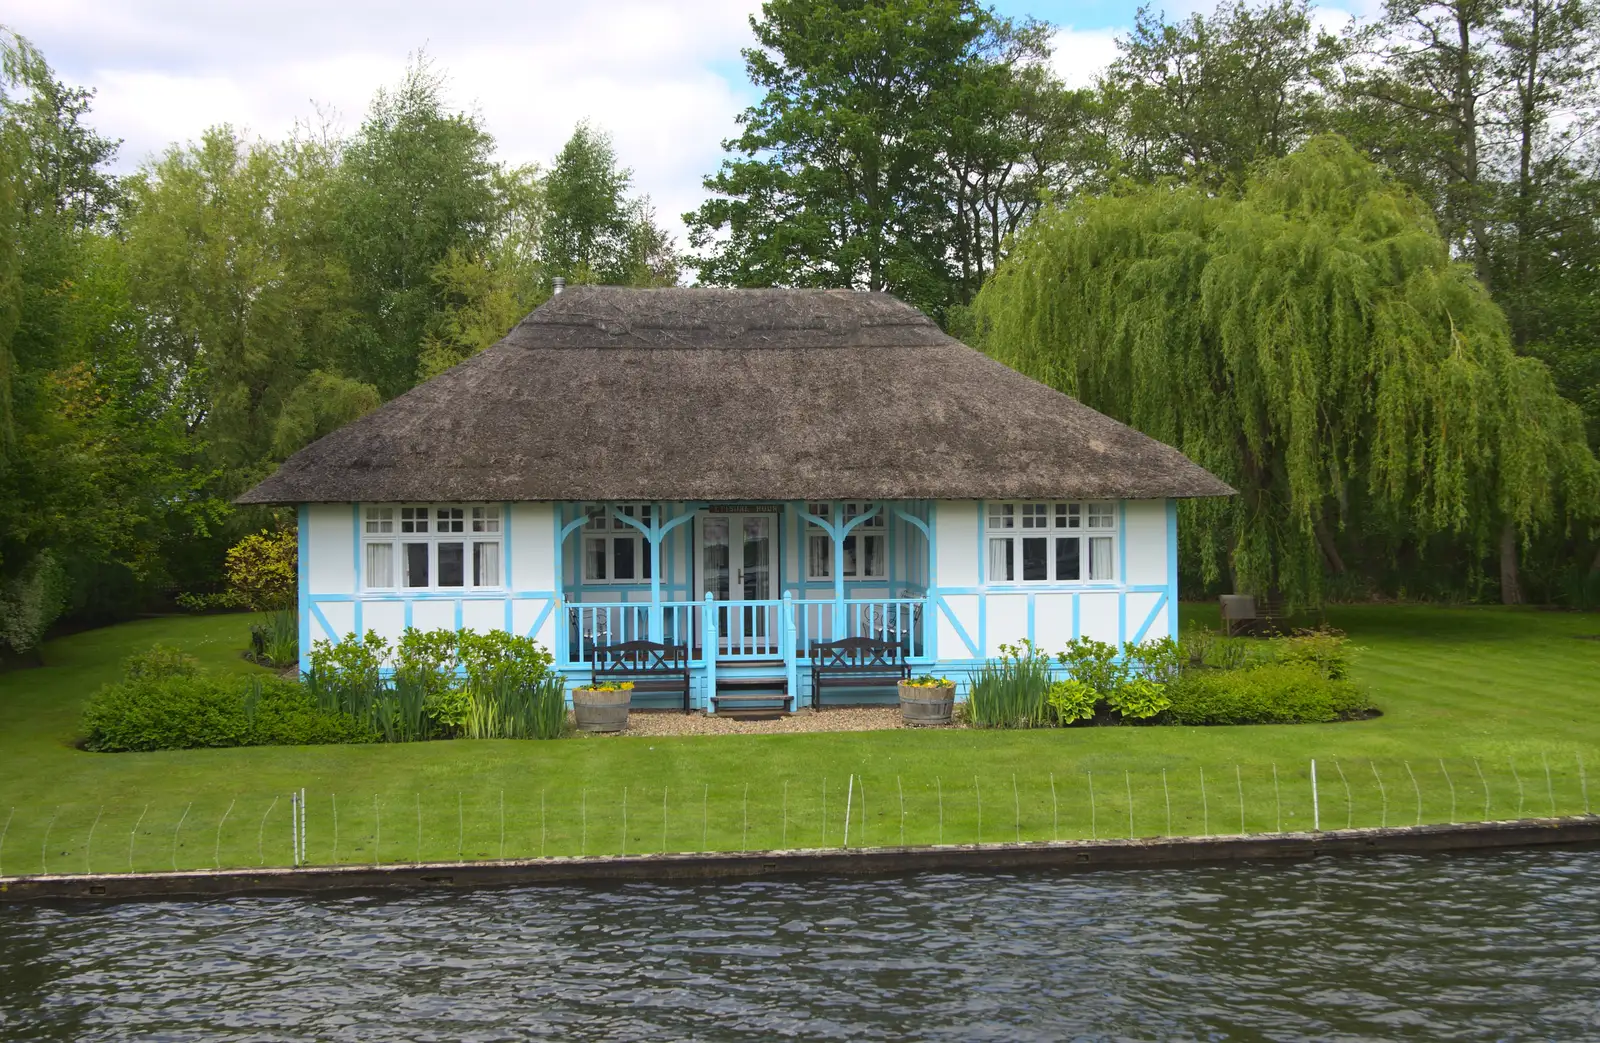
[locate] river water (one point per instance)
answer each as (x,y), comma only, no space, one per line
(1503,946)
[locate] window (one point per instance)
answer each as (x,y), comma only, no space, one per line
(613,550)
(866,553)
(431,547)
(1050,542)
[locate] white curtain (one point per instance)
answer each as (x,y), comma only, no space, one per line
(486,564)
(1000,569)
(380,564)
(1100,558)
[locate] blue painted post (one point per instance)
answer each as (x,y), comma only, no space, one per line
(653,534)
(837,532)
(791,657)
(710,639)
(303,579)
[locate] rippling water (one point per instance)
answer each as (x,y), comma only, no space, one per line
(1493,947)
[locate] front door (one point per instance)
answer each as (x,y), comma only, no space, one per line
(737,558)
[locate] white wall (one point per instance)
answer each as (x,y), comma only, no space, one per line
(330,544)
(1147,542)
(533,542)
(955,535)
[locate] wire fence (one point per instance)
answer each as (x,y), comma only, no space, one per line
(857,810)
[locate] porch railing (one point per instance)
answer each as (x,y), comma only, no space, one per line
(748,630)
(900,621)
(594,625)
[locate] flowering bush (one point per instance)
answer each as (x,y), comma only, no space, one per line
(610,686)
(929,681)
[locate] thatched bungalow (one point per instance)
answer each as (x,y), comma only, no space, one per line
(744,473)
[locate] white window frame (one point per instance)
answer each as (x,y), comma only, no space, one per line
(1092,523)
(385,524)
(606,531)
(819,566)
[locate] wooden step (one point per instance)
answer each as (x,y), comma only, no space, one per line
(751,704)
(777,683)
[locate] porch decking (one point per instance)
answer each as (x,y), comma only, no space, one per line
(748,654)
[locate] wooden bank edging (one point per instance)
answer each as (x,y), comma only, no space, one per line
(1075,855)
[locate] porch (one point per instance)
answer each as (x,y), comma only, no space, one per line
(745,589)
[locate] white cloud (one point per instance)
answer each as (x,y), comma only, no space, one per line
(646,71)
(1079,56)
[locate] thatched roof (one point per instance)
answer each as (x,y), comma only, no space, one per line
(678,394)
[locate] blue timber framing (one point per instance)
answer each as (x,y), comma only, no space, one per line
(954,632)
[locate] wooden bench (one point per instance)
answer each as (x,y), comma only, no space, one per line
(856,662)
(651,665)
(1247,616)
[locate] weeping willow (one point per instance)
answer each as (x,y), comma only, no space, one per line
(1311,342)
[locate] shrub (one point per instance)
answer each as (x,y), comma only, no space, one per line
(275,640)
(1010,692)
(1095,663)
(348,677)
(514,694)
(1138,698)
(1325,649)
(262,570)
(157,662)
(179,711)
(444,683)
(30,601)
(1274,693)
(1072,700)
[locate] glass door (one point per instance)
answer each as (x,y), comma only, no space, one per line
(737,558)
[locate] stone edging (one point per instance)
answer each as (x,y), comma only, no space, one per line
(1063,855)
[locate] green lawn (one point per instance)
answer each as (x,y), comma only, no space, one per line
(1474,699)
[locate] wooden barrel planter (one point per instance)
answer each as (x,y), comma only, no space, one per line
(926,704)
(598,710)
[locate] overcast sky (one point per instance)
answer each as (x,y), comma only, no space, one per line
(665,78)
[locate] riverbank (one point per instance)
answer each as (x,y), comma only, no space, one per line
(1071,856)
(1488,713)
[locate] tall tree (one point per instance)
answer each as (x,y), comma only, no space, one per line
(416,181)
(594,231)
(1312,343)
(1480,106)
(870,161)
(97,483)
(244,288)
(1206,97)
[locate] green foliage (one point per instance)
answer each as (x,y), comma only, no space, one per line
(894,148)
(30,602)
(157,662)
(1094,663)
(347,676)
(1312,343)
(444,684)
(1274,693)
(275,640)
(1204,98)
(1011,691)
(263,570)
(414,182)
(184,709)
(1325,650)
(513,692)
(593,231)
(1072,700)
(1138,698)
(324,402)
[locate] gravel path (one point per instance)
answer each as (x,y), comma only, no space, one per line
(842,719)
